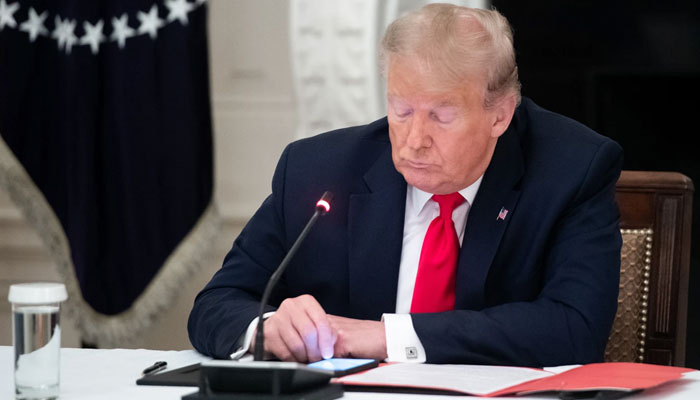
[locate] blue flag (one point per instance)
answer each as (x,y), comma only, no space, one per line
(106,146)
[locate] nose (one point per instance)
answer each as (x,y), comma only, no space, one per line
(418,136)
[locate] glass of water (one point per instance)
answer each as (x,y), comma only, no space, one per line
(36,337)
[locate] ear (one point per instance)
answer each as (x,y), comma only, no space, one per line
(502,115)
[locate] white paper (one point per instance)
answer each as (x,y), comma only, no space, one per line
(89,374)
(470,379)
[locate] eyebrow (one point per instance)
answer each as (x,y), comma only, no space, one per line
(446,103)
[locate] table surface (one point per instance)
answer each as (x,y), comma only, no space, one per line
(98,374)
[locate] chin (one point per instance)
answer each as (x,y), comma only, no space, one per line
(429,184)
(421,183)
(427,180)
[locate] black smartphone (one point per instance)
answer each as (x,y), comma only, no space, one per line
(344,366)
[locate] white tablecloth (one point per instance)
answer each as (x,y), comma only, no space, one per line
(111,374)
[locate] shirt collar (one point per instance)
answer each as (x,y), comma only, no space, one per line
(420,198)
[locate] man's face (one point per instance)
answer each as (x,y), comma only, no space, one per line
(442,139)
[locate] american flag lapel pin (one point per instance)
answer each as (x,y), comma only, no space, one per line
(502,214)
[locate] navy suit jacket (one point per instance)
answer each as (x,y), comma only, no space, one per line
(537,288)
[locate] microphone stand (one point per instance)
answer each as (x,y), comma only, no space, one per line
(260,380)
(322,207)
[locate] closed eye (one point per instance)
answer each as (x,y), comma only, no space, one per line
(400,108)
(444,116)
(402,112)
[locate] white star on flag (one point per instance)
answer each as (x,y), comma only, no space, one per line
(121,30)
(64,33)
(93,35)
(6,11)
(34,26)
(150,23)
(178,9)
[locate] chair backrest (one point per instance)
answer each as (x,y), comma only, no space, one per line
(650,325)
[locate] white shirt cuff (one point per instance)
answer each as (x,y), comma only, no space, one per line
(402,343)
(244,342)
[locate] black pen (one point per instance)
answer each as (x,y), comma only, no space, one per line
(157,366)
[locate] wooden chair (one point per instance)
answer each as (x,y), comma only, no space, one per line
(650,325)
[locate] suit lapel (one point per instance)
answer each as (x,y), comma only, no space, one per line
(484,230)
(375,223)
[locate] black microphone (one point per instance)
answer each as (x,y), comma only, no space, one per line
(227,379)
(323,206)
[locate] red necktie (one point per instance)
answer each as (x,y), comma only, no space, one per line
(437,269)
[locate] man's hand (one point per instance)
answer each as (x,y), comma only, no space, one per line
(359,338)
(299,331)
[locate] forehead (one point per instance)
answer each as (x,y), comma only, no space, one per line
(413,81)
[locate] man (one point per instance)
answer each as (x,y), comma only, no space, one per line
(466,227)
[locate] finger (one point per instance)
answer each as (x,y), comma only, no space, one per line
(287,345)
(274,343)
(327,336)
(292,340)
(308,326)
(324,332)
(307,332)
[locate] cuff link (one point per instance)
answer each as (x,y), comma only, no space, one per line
(411,353)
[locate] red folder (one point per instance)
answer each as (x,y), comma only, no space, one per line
(603,376)
(625,377)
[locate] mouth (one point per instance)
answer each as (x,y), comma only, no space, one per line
(416,165)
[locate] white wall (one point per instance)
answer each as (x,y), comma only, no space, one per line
(252,98)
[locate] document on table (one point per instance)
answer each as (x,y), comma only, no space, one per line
(472,379)
(483,380)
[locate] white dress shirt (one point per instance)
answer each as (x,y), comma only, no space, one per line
(402,342)
(401,339)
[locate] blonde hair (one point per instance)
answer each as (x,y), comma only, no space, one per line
(457,43)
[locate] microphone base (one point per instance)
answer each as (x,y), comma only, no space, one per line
(262,380)
(327,392)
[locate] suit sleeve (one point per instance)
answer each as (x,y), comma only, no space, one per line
(231,300)
(570,320)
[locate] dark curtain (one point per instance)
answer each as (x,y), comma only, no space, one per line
(106,105)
